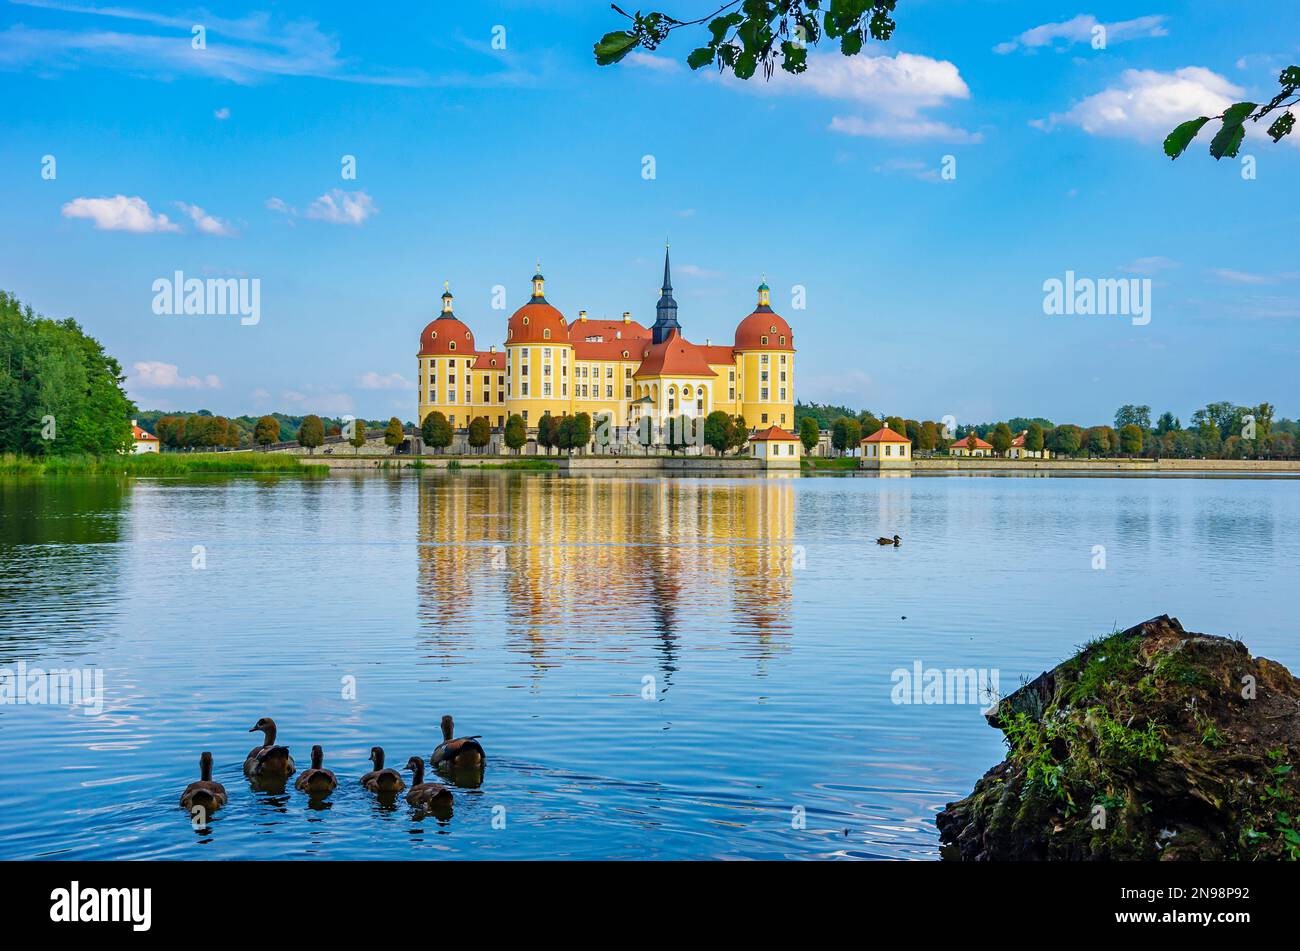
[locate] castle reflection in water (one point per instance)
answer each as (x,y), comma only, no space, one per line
(557,557)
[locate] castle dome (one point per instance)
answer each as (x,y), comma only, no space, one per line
(447,334)
(537,321)
(764,329)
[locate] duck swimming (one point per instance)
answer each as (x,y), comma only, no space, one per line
(382,780)
(457,754)
(205,794)
(317,780)
(268,760)
(425,795)
(895,541)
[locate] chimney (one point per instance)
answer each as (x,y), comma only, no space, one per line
(708,341)
(582,315)
(627,316)
(618,335)
(133,422)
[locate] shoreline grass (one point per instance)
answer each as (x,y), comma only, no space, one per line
(157,464)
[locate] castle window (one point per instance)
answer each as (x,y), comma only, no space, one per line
(546,334)
(764,340)
(525,321)
(451,345)
(783,344)
(772,329)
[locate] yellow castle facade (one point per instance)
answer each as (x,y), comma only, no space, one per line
(619,369)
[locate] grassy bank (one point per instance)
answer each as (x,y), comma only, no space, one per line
(821,462)
(523,462)
(156,464)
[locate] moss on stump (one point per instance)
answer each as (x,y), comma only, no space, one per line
(1152,743)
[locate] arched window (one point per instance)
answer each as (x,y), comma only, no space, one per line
(546,334)
(451,345)
(764,340)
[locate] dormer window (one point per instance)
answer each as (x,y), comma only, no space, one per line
(763,340)
(546,334)
(525,321)
(451,345)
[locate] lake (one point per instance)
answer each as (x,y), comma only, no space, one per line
(659,668)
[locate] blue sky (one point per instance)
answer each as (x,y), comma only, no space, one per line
(924,295)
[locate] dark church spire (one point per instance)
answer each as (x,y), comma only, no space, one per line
(666,309)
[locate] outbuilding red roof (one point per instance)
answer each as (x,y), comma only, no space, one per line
(773,434)
(965,443)
(885,434)
(674,357)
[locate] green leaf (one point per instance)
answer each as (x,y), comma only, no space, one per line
(721,25)
(1176,142)
(1227,141)
(851,43)
(1281,126)
(614,46)
(746,63)
(796,57)
(700,58)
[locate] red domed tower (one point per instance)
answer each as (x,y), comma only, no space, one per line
(446,355)
(765,352)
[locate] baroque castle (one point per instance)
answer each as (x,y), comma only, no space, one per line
(550,364)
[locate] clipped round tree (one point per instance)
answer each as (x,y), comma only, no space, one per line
(358,435)
(1130,439)
(436,431)
(581,431)
(480,432)
(1000,438)
(809,433)
(266,431)
(311,433)
(393,434)
(516,434)
(716,425)
(546,432)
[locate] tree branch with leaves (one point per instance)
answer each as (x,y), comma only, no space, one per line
(745,36)
(1232,129)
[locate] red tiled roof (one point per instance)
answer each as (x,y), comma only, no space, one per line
(719,356)
(885,434)
(139,435)
(965,443)
(764,323)
(529,325)
(491,359)
(1019,441)
(673,357)
(773,433)
(438,335)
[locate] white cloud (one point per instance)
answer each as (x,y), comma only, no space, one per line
(903,127)
(152,374)
(393,381)
(1080,29)
(206,223)
(243,50)
(1150,265)
(893,89)
(915,168)
(694,270)
(658,64)
(223,113)
(319,401)
(339,207)
(119,213)
(1229,276)
(1147,104)
(335,206)
(260,395)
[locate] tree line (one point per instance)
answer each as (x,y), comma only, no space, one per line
(60,392)
(1218,430)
